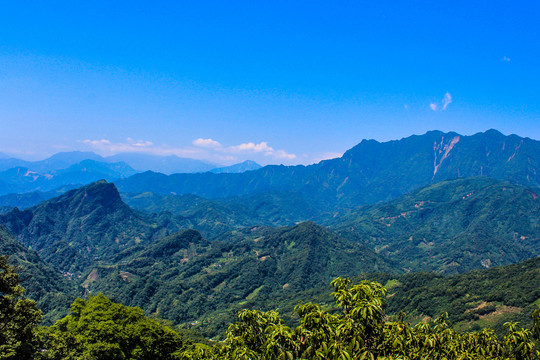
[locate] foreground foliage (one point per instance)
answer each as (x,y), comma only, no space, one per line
(18,316)
(359,331)
(97,328)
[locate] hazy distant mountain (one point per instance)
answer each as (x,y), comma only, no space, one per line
(64,160)
(58,161)
(247,165)
(23,180)
(370,172)
(164,164)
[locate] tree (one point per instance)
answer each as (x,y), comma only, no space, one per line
(98,328)
(359,331)
(19,316)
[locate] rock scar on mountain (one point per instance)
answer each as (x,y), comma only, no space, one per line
(515,151)
(439,148)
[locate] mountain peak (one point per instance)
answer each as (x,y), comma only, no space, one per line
(244,166)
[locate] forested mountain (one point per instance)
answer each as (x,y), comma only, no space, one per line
(187,279)
(452,226)
(212,217)
(252,246)
(474,300)
(47,286)
(369,172)
(83,226)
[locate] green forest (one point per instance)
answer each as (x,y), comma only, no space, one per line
(350,258)
(357,328)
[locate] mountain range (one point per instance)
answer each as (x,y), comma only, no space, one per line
(369,172)
(77,168)
(195,248)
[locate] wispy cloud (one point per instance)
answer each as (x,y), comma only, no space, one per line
(262,147)
(505,59)
(108,147)
(200,148)
(443,104)
(447,99)
(208,143)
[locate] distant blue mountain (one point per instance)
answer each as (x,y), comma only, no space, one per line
(370,172)
(22,179)
(170,164)
(247,165)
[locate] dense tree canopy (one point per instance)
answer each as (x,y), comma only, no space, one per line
(359,331)
(97,328)
(18,316)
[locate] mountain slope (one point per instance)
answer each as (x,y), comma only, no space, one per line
(82,226)
(212,217)
(209,279)
(164,164)
(452,226)
(47,287)
(25,179)
(368,173)
(247,165)
(480,298)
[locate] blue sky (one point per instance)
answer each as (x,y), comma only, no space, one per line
(274,81)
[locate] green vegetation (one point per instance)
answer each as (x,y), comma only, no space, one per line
(188,280)
(474,300)
(368,173)
(47,287)
(18,316)
(358,331)
(451,227)
(100,329)
(84,226)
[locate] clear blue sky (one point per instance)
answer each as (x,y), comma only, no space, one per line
(274,81)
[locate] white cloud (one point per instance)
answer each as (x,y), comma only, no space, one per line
(505,59)
(282,154)
(447,99)
(208,143)
(108,147)
(443,104)
(208,149)
(260,147)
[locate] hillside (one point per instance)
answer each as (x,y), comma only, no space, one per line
(213,217)
(212,280)
(369,172)
(52,291)
(474,300)
(451,227)
(83,226)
